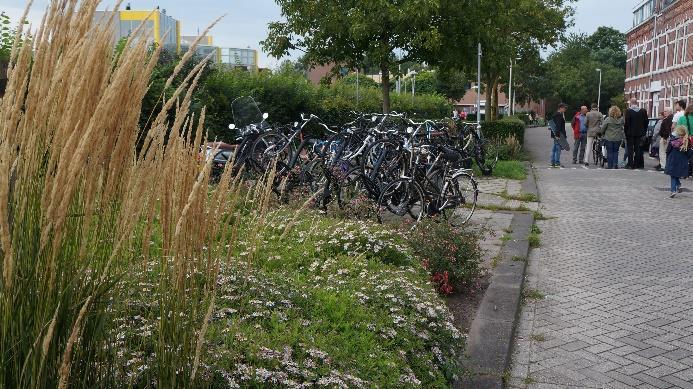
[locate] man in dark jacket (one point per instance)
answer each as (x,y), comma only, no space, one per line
(559,131)
(635,127)
(664,134)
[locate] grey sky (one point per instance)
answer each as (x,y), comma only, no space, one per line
(246,22)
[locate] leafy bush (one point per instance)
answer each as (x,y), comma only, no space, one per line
(286,94)
(508,148)
(451,255)
(364,81)
(523,117)
(503,129)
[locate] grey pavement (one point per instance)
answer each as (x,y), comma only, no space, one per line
(616,272)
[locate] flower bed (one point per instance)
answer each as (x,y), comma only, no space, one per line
(328,302)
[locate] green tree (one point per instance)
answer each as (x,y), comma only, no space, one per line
(6,37)
(426,81)
(608,46)
(571,73)
(364,81)
(450,83)
(346,33)
(506,29)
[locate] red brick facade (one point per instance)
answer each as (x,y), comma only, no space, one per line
(659,68)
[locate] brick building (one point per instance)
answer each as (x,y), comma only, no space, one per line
(659,67)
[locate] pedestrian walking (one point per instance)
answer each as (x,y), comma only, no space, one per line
(678,154)
(594,121)
(686,119)
(635,127)
(664,134)
(612,131)
(679,107)
(579,125)
(558,131)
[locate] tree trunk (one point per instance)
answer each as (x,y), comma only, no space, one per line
(385,85)
(494,108)
(489,97)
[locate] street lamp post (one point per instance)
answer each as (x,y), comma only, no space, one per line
(511,93)
(599,95)
(510,90)
(478,86)
(358,96)
(413,86)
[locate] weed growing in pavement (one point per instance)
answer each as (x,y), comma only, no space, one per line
(538,216)
(529,380)
(496,260)
(518,258)
(506,238)
(538,337)
(532,294)
(533,238)
(524,197)
(498,208)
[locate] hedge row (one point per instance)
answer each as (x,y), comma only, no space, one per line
(284,95)
(504,128)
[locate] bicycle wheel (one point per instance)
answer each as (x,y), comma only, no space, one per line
(458,200)
(355,195)
(270,147)
(401,200)
(342,146)
(383,162)
(485,162)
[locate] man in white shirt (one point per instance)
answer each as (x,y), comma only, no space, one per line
(680,107)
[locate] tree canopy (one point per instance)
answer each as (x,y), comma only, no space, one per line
(345,33)
(570,73)
(441,33)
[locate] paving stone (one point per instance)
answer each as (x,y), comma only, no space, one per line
(677,382)
(656,382)
(617,307)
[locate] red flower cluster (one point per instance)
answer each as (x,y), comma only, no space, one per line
(443,282)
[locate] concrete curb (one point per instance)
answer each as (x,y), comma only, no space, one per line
(530,184)
(489,344)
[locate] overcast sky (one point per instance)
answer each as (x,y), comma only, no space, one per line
(246,22)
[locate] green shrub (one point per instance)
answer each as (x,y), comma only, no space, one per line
(521,116)
(451,255)
(286,94)
(508,148)
(503,129)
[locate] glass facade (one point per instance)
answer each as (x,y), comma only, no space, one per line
(168,34)
(243,58)
(643,12)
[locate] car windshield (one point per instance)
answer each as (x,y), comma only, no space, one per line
(245,112)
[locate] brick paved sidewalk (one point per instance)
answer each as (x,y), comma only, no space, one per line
(616,274)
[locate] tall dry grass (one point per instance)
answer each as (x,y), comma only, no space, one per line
(78,208)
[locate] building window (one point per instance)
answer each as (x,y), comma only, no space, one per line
(643,12)
(684,44)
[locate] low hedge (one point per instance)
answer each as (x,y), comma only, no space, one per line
(504,128)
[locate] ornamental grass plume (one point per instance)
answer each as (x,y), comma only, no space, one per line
(79,206)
